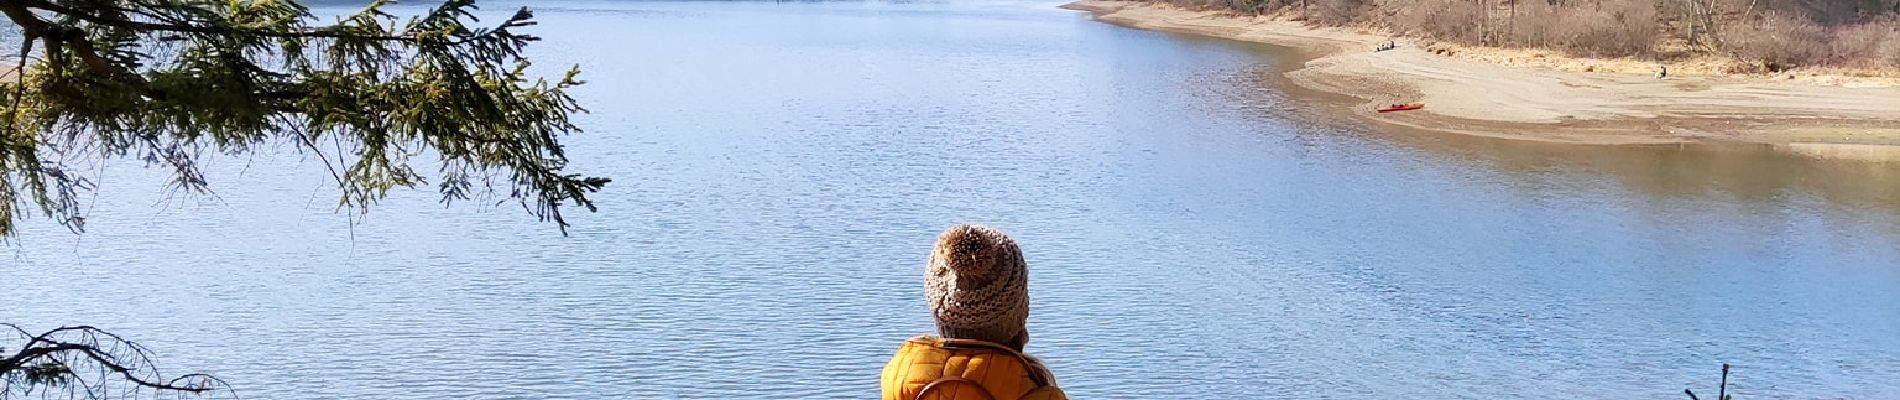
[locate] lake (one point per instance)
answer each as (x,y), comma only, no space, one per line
(781,169)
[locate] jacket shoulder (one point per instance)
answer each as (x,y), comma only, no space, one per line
(920,362)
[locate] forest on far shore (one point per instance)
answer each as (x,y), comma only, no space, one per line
(1761,35)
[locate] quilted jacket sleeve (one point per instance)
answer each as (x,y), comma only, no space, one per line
(1046,393)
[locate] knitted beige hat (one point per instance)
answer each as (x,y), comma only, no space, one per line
(978,286)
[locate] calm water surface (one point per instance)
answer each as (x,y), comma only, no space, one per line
(781,168)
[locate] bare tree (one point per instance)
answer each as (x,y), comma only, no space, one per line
(83,362)
(1702,29)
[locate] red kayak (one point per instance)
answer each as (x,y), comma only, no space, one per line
(1401,107)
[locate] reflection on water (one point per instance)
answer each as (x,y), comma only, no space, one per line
(780,169)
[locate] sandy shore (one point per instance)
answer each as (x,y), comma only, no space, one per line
(1476,97)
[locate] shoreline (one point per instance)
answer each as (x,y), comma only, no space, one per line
(1473,97)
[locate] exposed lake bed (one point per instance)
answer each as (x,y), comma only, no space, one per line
(1843,119)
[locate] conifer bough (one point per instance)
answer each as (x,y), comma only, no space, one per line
(170,81)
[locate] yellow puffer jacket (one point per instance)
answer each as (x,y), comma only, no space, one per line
(933,368)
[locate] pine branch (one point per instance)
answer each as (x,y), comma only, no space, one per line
(325,32)
(437,85)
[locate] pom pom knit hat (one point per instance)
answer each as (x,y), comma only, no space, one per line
(978,286)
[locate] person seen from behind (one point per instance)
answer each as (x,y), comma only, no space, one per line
(978,289)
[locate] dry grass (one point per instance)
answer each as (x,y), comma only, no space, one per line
(1336,12)
(1871,44)
(1452,21)
(1777,42)
(1618,29)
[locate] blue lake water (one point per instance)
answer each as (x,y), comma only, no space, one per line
(782,167)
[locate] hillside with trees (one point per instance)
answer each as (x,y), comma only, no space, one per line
(1753,35)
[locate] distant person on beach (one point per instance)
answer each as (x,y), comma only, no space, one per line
(978,289)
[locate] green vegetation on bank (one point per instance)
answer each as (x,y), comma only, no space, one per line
(1763,35)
